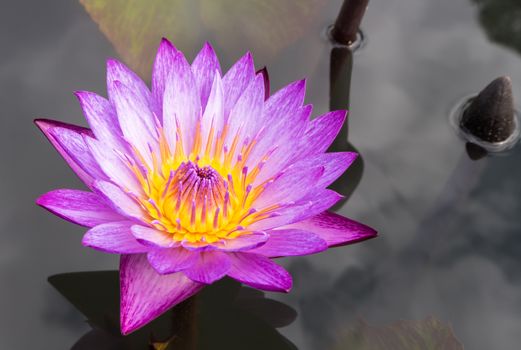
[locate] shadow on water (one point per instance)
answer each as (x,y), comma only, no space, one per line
(341,66)
(223,316)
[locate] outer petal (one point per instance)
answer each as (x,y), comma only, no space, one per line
(181,104)
(46,126)
(282,104)
(145,294)
(246,116)
(245,242)
(163,66)
(112,165)
(166,261)
(102,118)
(321,132)
(209,267)
(335,164)
(311,205)
(74,144)
(152,237)
(236,80)
(290,186)
(259,272)
(290,243)
(318,201)
(117,71)
(204,67)
(213,116)
(114,237)
(82,208)
(281,141)
(335,229)
(136,119)
(118,199)
(266,76)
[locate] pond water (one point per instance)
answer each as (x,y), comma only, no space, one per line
(449,227)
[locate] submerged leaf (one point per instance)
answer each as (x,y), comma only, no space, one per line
(427,334)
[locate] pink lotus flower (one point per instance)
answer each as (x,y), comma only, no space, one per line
(199,178)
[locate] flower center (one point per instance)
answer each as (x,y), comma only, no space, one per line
(201,196)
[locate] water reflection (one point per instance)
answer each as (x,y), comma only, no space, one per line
(501,19)
(225,315)
(341,66)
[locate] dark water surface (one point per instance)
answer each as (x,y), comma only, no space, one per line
(449,245)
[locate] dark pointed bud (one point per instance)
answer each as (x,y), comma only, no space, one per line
(490,116)
(348,21)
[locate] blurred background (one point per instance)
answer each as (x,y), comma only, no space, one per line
(449,246)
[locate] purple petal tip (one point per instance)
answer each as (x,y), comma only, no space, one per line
(168,43)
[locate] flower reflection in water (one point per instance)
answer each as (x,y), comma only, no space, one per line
(201,322)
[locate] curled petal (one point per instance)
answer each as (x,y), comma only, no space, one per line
(259,272)
(80,207)
(114,237)
(145,294)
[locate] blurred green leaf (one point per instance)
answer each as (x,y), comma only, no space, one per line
(135,27)
(265,27)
